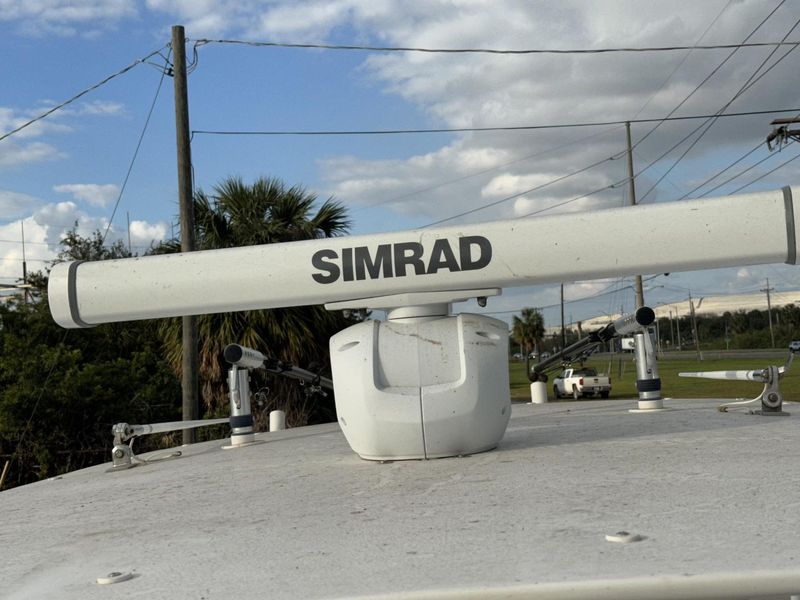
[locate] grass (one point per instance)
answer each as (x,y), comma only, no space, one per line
(622,370)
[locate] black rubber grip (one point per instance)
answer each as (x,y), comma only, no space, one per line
(648,385)
(241,421)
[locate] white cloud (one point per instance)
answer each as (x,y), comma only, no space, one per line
(17,150)
(56,219)
(102,107)
(144,234)
(14,204)
(507,183)
(212,17)
(94,193)
(66,17)
(37,251)
(11,119)
(745,275)
(474,90)
(48,225)
(12,154)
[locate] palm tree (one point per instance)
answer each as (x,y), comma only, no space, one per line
(528,329)
(262,213)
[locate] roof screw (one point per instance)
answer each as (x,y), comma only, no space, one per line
(114,577)
(623,537)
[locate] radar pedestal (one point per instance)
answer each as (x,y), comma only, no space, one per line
(422,384)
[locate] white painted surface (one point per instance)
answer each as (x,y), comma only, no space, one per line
(714,495)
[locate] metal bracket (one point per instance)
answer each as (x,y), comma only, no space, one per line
(122,456)
(121,453)
(771,397)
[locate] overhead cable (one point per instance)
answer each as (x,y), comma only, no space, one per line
(699,127)
(204,41)
(533,189)
(717,174)
(603,292)
(710,75)
(82,93)
(770,172)
(480,129)
(684,59)
(739,174)
(164,73)
(484,171)
(575,199)
(710,123)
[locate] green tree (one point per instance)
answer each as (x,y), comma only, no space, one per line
(265,212)
(62,390)
(739,322)
(528,329)
(790,317)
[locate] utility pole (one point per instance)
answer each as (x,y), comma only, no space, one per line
(632,199)
(189,383)
(769,313)
(24,265)
(128,214)
(563,331)
(694,328)
(658,336)
(671,330)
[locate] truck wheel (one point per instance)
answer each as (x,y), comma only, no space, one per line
(555,392)
(576,395)
(604,395)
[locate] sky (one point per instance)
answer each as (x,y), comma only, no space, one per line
(71,166)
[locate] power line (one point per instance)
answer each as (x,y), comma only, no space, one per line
(718,173)
(606,291)
(484,171)
(136,151)
(80,94)
(712,73)
(770,172)
(739,174)
(744,88)
(575,199)
(204,41)
(481,129)
(621,181)
(30,243)
(685,58)
(745,155)
(699,127)
(533,189)
(710,123)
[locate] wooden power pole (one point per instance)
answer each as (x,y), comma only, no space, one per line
(189,358)
(694,327)
(769,313)
(632,200)
(563,330)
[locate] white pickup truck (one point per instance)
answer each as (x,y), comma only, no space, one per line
(581,382)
